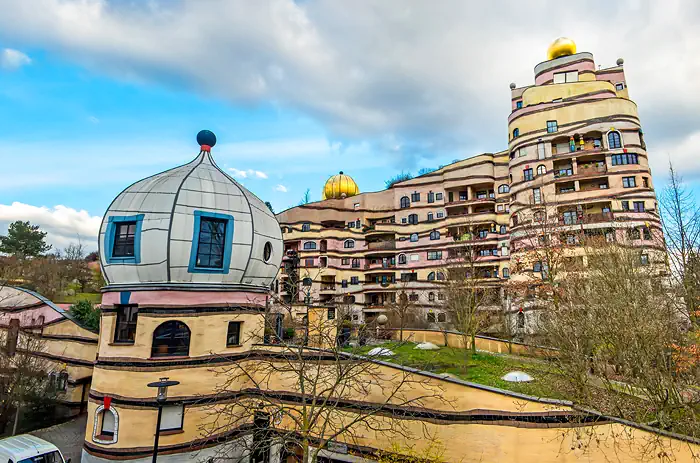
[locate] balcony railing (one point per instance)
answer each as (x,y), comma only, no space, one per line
(379,266)
(586,218)
(328,287)
(381,245)
(592,170)
(561,173)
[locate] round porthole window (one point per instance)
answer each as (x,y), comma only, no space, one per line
(267,251)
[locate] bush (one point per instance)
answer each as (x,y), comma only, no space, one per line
(86,314)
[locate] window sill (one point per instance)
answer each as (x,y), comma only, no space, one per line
(121,343)
(234,345)
(171,432)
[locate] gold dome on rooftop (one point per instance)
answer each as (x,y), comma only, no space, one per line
(563,46)
(339,186)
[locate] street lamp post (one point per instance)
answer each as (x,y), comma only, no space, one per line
(161,397)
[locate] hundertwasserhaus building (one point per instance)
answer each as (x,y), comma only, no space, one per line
(575,152)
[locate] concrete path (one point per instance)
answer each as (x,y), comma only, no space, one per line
(68,437)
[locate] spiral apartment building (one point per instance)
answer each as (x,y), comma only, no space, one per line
(575,145)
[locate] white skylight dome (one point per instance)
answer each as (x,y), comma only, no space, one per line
(192,225)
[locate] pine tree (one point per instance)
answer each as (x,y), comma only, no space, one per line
(24,240)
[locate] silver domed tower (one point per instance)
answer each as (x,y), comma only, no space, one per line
(193,227)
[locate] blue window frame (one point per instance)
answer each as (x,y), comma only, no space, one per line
(125,232)
(208,227)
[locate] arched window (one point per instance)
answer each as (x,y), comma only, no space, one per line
(413,219)
(521,320)
(405,202)
(414,237)
(106,427)
(349,244)
(355,263)
(503,188)
(614,140)
(431,297)
(306,281)
(434,235)
(171,339)
(402,258)
(442,317)
(440,276)
(349,299)
(310,245)
(516,132)
(541,169)
(431,276)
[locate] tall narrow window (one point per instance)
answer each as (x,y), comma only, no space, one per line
(431,197)
(516,132)
(415,196)
(405,202)
(233,334)
(536,195)
(614,140)
(125,327)
(430,217)
(413,219)
(527,174)
(540,151)
(356,263)
(124,239)
(519,104)
(210,250)
(541,170)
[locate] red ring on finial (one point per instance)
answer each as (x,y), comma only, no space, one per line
(206,148)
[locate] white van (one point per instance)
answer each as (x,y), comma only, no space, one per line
(29,449)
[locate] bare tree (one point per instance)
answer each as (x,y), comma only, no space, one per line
(680,215)
(404,310)
(620,339)
(313,395)
(467,296)
(27,380)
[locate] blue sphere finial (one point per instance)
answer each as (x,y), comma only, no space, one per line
(206,137)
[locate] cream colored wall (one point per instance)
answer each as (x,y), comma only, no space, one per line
(208,333)
(547,93)
(462,441)
(586,109)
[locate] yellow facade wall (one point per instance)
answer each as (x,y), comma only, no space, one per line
(547,93)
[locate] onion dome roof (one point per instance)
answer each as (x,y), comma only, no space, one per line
(192,225)
(339,186)
(563,46)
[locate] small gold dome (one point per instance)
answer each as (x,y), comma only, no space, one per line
(563,46)
(339,186)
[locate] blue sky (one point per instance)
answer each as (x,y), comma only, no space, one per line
(96,94)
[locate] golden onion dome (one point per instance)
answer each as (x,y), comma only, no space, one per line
(563,46)
(339,186)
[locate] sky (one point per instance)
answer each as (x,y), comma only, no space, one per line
(97,94)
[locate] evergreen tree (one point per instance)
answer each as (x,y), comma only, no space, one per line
(24,240)
(269,206)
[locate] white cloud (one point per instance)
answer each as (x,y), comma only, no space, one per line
(281,188)
(237,173)
(94,120)
(412,79)
(13,59)
(64,225)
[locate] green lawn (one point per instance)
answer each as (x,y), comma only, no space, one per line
(481,368)
(95,298)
